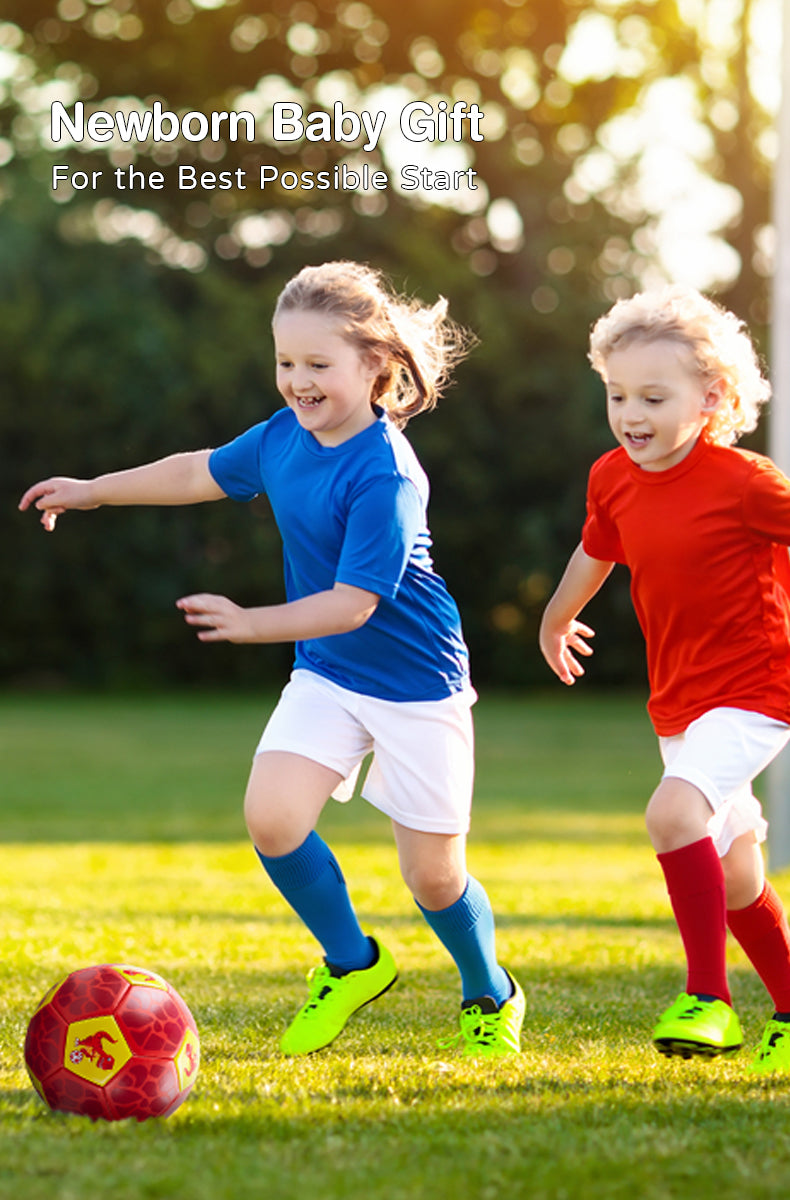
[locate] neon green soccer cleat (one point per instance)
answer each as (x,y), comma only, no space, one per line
(693,1026)
(333,999)
(774,1051)
(488,1031)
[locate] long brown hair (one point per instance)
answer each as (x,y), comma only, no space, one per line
(418,345)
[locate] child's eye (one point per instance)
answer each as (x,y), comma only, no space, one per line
(615,397)
(654,399)
(319,366)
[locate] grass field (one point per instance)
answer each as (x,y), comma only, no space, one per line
(122,840)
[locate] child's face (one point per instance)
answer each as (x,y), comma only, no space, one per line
(322,376)
(657,403)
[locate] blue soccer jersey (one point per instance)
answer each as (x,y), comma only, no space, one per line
(356,514)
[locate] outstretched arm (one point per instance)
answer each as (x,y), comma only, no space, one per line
(338,610)
(178,479)
(560,632)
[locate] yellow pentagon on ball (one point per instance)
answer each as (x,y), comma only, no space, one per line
(142,978)
(95,1049)
(187,1059)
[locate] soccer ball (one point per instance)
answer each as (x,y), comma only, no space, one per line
(113,1041)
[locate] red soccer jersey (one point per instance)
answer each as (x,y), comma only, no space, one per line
(706,544)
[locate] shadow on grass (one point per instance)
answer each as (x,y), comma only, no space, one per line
(173,768)
(143,819)
(78,828)
(482,1089)
(589,1109)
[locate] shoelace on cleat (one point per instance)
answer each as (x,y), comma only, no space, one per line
(777,1035)
(477,1027)
(319,980)
(695,1010)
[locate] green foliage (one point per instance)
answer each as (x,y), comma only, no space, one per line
(123,841)
(108,361)
(105,364)
(110,357)
(228,54)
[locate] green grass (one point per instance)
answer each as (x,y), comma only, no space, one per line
(122,839)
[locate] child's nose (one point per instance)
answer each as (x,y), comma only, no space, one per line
(302,379)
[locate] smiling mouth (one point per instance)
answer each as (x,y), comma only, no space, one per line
(638,440)
(308,402)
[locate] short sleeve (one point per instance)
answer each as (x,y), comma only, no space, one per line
(236,466)
(383,524)
(766,502)
(600,537)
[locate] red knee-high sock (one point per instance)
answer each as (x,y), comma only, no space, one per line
(695,882)
(762,930)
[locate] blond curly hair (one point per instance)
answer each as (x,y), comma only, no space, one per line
(418,345)
(719,342)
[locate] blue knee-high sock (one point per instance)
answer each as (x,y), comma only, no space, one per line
(310,879)
(466,929)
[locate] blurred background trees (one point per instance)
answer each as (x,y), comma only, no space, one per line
(624,143)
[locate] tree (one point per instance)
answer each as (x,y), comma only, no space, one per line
(145,311)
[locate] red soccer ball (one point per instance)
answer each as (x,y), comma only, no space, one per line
(113,1041)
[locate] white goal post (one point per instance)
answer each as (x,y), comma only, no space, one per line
(778,781)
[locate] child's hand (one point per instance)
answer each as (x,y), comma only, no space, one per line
(54,496)
(558,646)
(224,621)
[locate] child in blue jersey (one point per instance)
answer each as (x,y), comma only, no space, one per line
(380,662)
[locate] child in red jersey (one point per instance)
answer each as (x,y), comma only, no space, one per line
(704,530)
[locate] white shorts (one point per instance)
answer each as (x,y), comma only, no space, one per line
(720,754)
(422,772)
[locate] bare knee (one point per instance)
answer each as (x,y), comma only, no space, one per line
(272,830)
(284,798)
(433,866)
(676,815)
(433,891)
(744,873)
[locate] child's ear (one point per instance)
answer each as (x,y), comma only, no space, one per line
(714,394)
(374,361)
